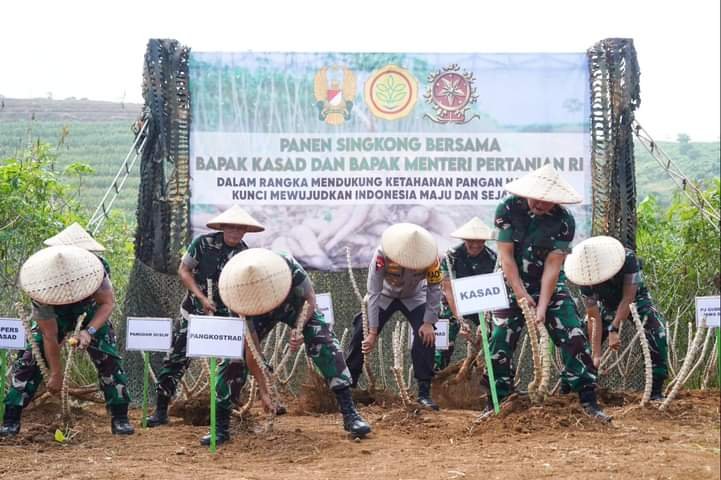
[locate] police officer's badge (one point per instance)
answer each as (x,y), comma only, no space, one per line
(335,89)
(451,93)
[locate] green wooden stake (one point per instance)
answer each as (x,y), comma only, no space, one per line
(3,374)
(489,364)
(146,374)
(212,404)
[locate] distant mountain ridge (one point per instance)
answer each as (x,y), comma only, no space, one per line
(69,109)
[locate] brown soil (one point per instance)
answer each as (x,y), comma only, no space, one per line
(551,441)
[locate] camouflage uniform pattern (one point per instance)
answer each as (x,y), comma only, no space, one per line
(609,294)
(461,265)
(534,237)
(206,256)
(321,344)
(26,375)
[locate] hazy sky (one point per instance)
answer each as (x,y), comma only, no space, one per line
(95,49)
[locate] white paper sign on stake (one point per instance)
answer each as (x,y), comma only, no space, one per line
(710,309)
(12,334)
(215,336)
(149,334)
(442,331)
(480,293)
(324,303)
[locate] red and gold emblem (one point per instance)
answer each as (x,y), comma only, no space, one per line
(451,93)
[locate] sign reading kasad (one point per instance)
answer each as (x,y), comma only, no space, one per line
(215,336)
(12,334)
(480,293)
(708,310)
(149,334)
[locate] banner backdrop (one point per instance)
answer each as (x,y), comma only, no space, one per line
(329,149)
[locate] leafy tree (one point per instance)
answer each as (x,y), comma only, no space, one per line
(680,251)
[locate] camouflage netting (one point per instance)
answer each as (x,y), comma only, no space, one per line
(163,200)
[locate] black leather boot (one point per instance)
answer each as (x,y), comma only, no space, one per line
(587,397)
(11,422)
(424,395)
(352,420)
(657,390)
(565,389)
(160,417)
(119,423)
(222,428)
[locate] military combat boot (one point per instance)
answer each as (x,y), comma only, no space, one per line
(160,417)
(424,395)
(222,428)
(352,420)
(119,423)
(11,422)
(587,397)
(657,390)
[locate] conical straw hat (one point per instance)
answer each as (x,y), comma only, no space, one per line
(410,246)
(595,260)
(236,216)
(77,236)
(254,282)
(544,184)
(474,229)
(61,275)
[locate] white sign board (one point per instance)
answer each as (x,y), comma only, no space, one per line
(324,304)
(12,334)
(215,336)
(710,309)
(149,334)
(442,327)
(480,293)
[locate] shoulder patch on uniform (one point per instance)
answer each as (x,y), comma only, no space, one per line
(380,262)
(434,275)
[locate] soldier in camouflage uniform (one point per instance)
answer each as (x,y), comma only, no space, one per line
(268,288)
(472,257)
(404,275)
(46,278)
(204,260)
(610,274)
(534,236)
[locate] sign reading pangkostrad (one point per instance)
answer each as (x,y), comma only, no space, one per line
(480,293)
(220,337)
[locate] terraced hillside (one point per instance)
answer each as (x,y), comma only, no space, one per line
(95,133)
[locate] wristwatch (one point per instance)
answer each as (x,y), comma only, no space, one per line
(612,329)
(92,331)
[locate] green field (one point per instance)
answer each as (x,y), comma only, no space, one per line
(102,145)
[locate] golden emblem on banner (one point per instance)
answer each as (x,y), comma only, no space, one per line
(335,89)
(391,92)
